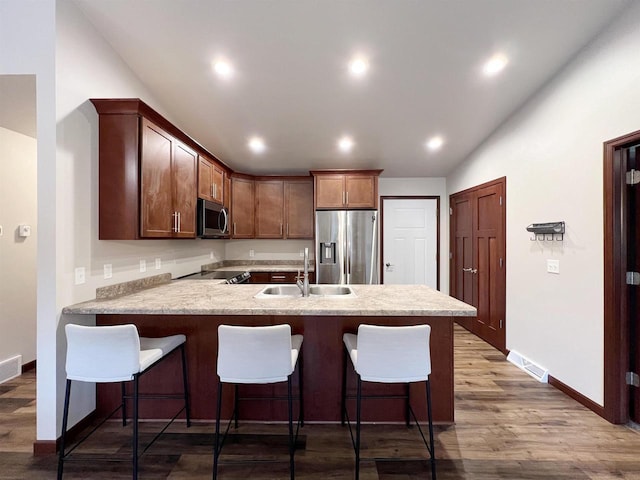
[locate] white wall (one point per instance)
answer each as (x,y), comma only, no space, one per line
(18,154)
(552,155)
(87,67)
(27,37)
(434,187)
(265,249)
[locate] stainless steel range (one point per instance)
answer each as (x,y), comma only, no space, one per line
(230,277)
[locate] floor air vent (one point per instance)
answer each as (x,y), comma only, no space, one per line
(10,368)
(536,371)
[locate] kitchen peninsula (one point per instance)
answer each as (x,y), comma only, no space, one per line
(197,307)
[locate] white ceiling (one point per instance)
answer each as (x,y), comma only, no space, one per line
(292,86)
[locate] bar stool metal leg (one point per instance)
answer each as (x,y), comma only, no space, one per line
(65,418)
(185,383)
(301,389)
(358,412)
(344,387)
(216,446)
(135,425)
(433,447)
(292,445)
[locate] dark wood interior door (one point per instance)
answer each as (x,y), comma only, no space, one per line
(488,248)
(477,266)
(632,229)
(461,261)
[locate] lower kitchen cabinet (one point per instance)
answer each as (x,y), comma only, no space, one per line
(278,277)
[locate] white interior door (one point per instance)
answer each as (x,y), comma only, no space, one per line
(410,241)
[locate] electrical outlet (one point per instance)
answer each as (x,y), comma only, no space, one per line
(553,266)
(158,263)
(143,266)
(211,255)
(79,271)
(108,271)
(252,253)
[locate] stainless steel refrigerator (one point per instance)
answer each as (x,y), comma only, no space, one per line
(347,246)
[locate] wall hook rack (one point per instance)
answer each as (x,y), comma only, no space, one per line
(547,231)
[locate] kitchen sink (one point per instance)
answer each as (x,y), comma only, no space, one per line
(279,291)
(331,291)
(293,291)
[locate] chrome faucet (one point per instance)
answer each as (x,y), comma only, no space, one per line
(304,284)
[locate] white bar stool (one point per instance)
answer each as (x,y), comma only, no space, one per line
(389,355)
(258,355)
(117,354)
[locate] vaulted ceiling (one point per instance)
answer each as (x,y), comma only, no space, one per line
(292,87)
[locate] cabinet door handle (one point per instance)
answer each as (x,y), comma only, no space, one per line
(179,222)
(344,202)
(234,228)
(347,199)
(174,228)
(280,229)
(287,229)
(279,277)
(213,192)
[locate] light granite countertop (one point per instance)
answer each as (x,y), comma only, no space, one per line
(205,297)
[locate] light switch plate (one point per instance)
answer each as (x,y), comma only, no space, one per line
(79,274)
(108,270)
(158,264)
(252,253)
(553,266)
(143,266)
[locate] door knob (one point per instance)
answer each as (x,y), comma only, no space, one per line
(387,264)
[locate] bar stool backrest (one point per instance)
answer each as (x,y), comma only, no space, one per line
(255,354)
(102,354)
(393,354)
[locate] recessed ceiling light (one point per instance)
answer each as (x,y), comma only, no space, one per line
(345,144)
(435,143)
(223,68)
(495,64)
(358,66)
(256,144)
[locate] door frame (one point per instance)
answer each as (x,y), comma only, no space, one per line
(410,197)
(616,324)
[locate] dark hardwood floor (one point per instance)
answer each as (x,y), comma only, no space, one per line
(508,426)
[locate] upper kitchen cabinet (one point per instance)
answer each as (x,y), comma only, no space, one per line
(298,208)
(242,206)
(346,189)
(211,178)
(147,173)
(167,185)
(284,207)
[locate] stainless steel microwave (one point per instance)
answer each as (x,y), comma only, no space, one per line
(213,220)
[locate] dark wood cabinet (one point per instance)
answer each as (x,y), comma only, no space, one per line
(284,208)
(147,173)
(242,207)
(210,180)
(339,189)
(167,185)
(278,277)
(270,209)
(298,202)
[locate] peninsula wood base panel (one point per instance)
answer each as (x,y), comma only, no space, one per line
(322,355)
